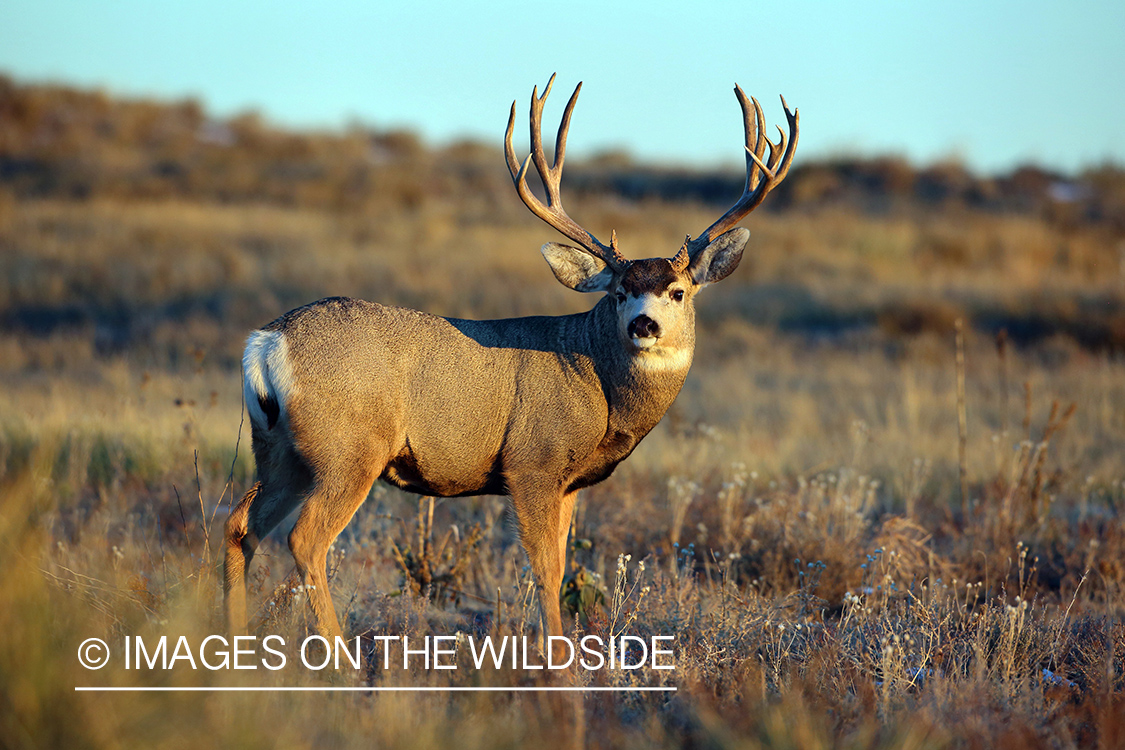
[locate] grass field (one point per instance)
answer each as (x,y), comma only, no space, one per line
(836,570)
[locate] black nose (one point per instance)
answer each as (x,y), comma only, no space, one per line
(643,327)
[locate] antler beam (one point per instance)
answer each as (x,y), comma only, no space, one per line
(762,174)
(551,176)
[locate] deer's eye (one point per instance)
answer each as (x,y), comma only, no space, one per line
(678,295)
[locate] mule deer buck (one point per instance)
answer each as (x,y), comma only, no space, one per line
(342,392)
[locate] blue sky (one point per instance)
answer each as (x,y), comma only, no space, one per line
(991,83)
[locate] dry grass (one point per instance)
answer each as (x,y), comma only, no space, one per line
(796,520)
(823,594)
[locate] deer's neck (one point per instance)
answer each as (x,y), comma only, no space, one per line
(639,386)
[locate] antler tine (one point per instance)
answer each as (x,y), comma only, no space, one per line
(794,120)
(551,176)
(762,174)
(760,120)
(509,152)
(754,128)
(536,124)
(564,128)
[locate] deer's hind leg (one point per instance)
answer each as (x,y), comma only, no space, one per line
(336,496)
(276,493)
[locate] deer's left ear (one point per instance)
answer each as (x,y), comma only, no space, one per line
(577,269)
(720,258)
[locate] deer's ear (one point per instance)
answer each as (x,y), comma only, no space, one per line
(720,258)
(577,269)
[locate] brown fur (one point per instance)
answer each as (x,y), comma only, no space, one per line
(651,276)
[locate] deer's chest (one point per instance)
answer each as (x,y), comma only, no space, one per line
(614,448)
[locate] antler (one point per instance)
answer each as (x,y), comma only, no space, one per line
(761,176)
(553,213)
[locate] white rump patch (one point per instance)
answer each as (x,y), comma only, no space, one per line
(266,375)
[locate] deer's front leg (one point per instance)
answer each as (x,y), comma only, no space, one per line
(566,515)
(539,510)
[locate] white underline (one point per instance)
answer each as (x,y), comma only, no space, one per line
(358,689)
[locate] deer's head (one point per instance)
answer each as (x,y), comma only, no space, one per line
(653,298)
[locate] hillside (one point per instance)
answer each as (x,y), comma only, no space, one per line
(867,245)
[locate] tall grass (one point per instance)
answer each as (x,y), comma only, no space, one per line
(824,591)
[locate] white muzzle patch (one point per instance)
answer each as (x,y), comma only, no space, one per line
(648,305)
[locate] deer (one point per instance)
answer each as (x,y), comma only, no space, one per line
(343,392)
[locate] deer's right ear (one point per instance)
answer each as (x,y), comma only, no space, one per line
(577,269)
